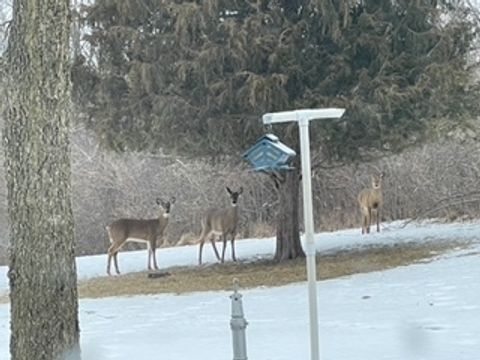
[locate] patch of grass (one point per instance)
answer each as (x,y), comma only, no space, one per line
(262,272)
(267,273)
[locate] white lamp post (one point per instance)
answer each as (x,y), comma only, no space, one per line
(303,117)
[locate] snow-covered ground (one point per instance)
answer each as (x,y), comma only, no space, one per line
(422,311)
(392,233)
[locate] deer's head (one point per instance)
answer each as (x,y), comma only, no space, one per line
(166,205)
(377,180)
(234,195)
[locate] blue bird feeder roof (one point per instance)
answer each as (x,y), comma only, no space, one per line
(269,154)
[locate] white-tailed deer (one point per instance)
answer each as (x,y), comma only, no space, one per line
(221,222)
(138,230)
(371,201)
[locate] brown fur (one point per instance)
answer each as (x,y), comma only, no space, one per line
(371,202)
(221,222)
(139,230)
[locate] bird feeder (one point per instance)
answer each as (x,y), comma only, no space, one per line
(270,154)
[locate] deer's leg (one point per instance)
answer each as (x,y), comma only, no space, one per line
(378,220)
(369,220)
(224,239)
(149,251)
(154,255)
(115,261)
(233,247)
(112,252)
(364,212)
(200,248)
(212,240)
(109,261)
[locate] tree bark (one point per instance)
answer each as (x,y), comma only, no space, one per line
(43,283)
(288,234)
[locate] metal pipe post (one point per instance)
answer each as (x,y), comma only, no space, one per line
(303,116)
(238,324)
(309,241)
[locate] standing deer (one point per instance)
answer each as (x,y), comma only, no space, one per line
(371,201)
(138,230)
(221,222)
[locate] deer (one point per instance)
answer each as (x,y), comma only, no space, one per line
(371,201)
(221,222)
(138,230)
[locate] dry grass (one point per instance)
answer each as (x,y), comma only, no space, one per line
(261,272)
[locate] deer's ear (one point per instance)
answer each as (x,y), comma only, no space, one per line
(159,201)
(228,190)
(382,174)
(241,190)
(172,200)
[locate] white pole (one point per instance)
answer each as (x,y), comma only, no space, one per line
(303,117)
(309,242)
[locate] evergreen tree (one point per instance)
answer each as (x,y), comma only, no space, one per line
(195,76)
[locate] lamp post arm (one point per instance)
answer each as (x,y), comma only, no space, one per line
(296,115)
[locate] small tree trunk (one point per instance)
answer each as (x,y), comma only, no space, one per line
(288,235)
(43,283)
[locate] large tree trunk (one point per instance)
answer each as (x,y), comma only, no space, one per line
(43,290)
(288,235)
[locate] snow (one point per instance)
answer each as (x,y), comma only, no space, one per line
(392,233)
(422,311)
